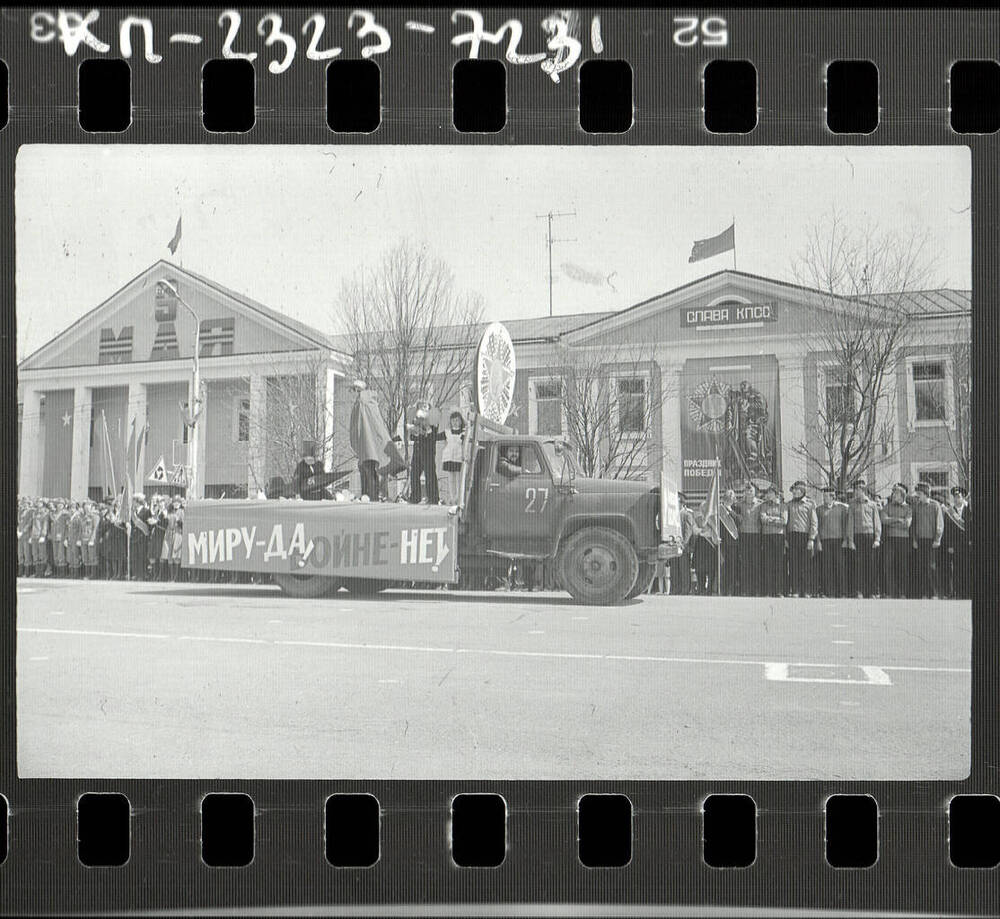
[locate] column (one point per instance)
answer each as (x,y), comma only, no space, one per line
(329,416)
(79,477)
(257,476)
(670,380)
(792,399)
(30,472)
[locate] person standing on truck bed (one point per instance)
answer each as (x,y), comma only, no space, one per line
(454,441)
(306,469)
(424,437)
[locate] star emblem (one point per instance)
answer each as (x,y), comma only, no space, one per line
(66,419)
(707,404)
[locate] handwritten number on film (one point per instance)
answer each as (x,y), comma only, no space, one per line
(561,29)
(711,31)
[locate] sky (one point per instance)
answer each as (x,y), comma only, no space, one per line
(287,224)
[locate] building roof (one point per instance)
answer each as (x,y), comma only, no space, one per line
(924,303)
(934,302)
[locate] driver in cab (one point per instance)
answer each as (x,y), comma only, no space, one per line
(509,462)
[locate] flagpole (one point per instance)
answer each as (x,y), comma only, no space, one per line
(718,526)
(734,242)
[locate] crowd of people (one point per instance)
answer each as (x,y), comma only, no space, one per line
(907,545)
(95,540)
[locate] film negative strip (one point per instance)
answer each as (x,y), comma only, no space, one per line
(501,460)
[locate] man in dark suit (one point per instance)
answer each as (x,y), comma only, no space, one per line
(305,471)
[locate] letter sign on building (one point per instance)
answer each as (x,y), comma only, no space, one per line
(728,314)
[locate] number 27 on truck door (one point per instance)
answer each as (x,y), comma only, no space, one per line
(531,495)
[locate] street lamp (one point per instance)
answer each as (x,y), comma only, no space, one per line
(194,406)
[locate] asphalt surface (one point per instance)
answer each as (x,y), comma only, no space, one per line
(215,681)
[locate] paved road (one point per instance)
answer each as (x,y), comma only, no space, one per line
(184,680)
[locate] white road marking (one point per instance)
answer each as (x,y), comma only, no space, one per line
(56,612)
(848,702)
(37,658)
(91,632)
(389,681)
(838,625)
(536,632)
(874,676)
(580,618)
(842,641)
(27,590)
(496,652)
(242,641)
(274,622)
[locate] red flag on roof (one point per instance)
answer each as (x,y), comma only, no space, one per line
(714,245)
(176,241)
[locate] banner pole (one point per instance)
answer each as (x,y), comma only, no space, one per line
(718,526)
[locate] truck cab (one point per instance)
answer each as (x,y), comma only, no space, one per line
(526,499)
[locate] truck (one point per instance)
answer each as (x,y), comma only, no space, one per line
(523,499)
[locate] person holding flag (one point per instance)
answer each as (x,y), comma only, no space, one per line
(730,533)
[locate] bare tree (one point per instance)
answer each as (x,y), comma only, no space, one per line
(293,412)
(865,278)
(411,335)
(959,432)
(611,400)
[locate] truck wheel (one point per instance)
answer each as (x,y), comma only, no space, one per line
(597,565)
(365,587)
(306,586)
(642,582)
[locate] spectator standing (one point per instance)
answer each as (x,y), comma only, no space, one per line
(831,517)
(157,531)
(773,519)
(25,520)
(730,536)
(926,531)
(57,537)
(897,517)
(748,521)
(40,538)
(864,536)
(956,545)
(801,538)
(74,545)
(139,538)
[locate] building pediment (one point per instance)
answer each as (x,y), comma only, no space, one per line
(727,304)
(144,321)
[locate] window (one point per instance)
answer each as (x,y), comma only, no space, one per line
(243,421)
(548,407)
(632,405)
(839,397)
(929,380)
(523,455)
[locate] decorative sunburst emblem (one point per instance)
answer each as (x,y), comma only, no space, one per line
(495,372)
(707,405)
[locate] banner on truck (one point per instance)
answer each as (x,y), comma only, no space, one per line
(384,541)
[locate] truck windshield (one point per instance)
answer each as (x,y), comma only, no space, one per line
(556,451)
